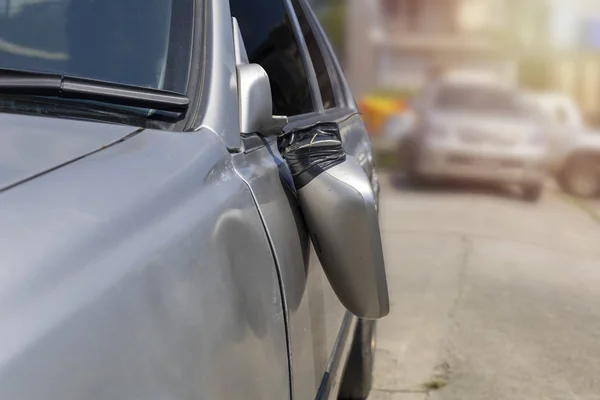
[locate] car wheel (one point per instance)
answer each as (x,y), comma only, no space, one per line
(358,377)
(409,156)
(580,176)
(403,153)
(414,177)
(532,193)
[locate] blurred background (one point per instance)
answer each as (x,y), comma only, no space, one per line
(484,116)
(389,48)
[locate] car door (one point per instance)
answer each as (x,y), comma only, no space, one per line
(307,86)
(145,272)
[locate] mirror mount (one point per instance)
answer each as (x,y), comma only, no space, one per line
(255,100)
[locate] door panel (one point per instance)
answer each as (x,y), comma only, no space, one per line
(144,273)
(313,312)
(355,138)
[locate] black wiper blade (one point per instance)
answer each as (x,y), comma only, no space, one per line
(56,85)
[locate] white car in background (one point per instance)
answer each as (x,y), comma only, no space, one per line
(574,148)
(559,108)
(473,128)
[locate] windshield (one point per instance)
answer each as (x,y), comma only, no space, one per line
(136,42)
(481,99)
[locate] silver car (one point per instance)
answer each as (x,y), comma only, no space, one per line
(151,238)
(476,129)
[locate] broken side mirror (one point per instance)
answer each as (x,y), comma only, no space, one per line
(340,210)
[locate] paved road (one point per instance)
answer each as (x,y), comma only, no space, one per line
(492,297)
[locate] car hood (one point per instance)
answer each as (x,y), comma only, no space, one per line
(514,128)
(30,145)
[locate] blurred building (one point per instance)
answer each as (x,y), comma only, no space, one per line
(398,43)
(542,44)
(559,49)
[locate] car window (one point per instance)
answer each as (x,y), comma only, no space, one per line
(316,56)
(270,41)
(123,41)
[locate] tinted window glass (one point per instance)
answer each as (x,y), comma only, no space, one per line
(270,42)
(124,41)
(317,58)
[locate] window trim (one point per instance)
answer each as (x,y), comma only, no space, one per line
(301,117)
(342,93)
(198,57)
(325,56)
(306,60)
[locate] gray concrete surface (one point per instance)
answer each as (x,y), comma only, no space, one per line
(492,297)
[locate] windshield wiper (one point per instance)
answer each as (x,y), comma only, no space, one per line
(56,85)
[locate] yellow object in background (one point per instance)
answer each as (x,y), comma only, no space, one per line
(376,109)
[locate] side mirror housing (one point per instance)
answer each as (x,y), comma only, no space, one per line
(254,98)
(340,210)
(345,231)
(254,93)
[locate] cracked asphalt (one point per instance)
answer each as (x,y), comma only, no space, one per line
(492,297)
